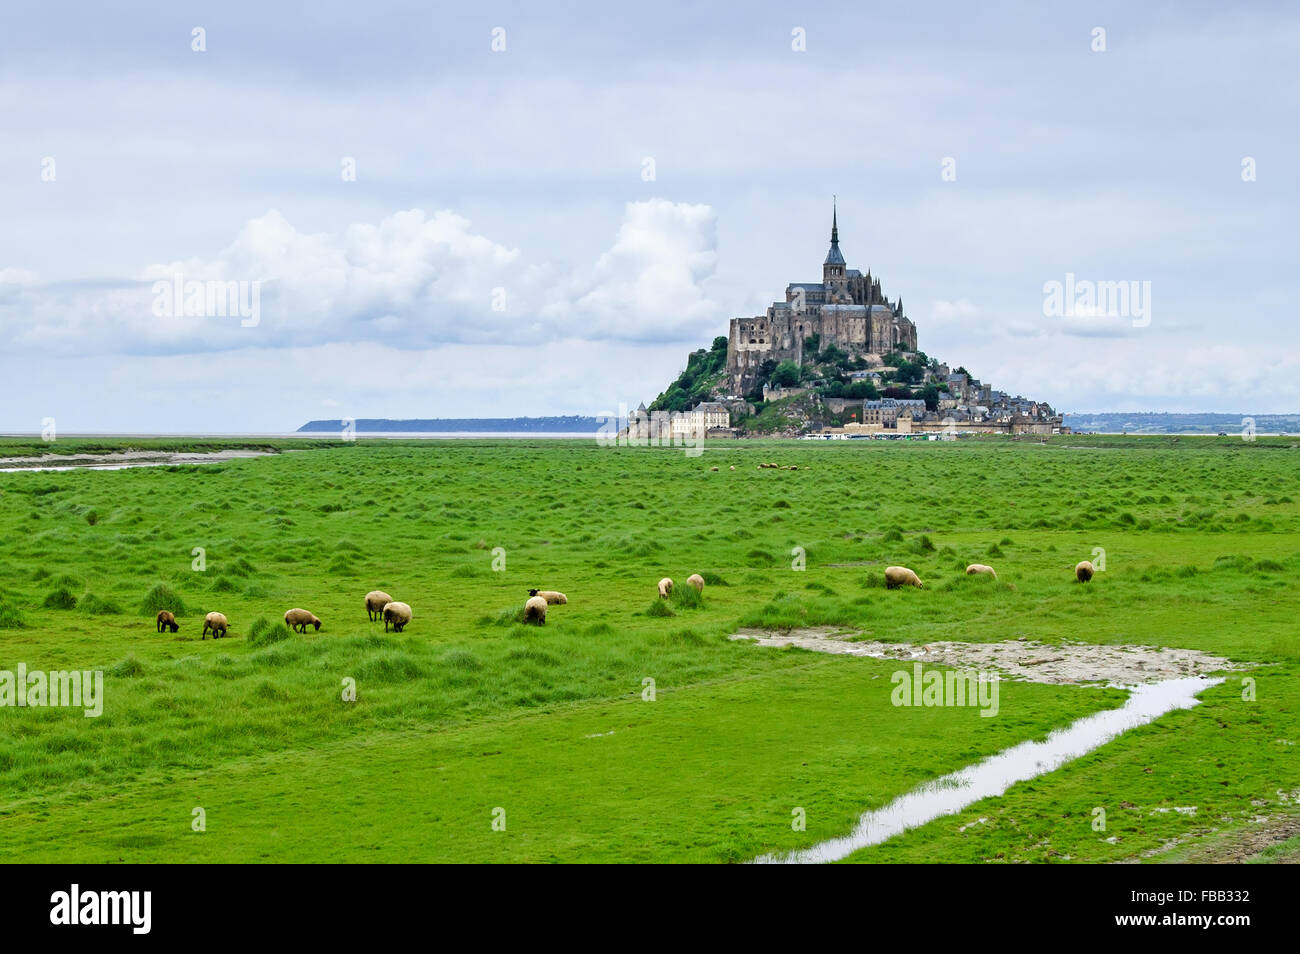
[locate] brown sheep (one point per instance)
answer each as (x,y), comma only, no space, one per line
(975,568)
(665,587)
(167,620)
(376,600)
(896,576)
(554,597)
(535,611)
(399,614)
(215,622)
(696,581)
(300,619)
(1083,571)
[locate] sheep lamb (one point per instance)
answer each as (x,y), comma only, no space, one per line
(896,576)
(300,619)
(215,622)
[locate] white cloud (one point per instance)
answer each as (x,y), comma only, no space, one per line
(411,280)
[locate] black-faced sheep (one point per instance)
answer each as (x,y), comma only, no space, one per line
(399,614)
(376,600)
(1083,571)
(665,587)
(696,581)
(215,622)
(535,611)
(299,619)
(166,621)
(896,576)
(975,568)
(554,597)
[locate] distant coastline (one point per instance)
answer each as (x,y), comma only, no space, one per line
(1155,422)
(568,425)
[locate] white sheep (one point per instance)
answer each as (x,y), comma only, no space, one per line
(553,597)
(1083,571)
(896,576)
(300,619)
(984,568)
(215,622)
(535,610)
(665,587)
(376,600)
(399,614)
(696,581)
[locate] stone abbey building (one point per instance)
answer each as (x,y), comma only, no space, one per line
(846,309)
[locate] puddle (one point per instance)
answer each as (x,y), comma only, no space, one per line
(994,775)
(119,461)
(1067,664)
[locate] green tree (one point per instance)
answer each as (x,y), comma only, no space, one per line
(786,375)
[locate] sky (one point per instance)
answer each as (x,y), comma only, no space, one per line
(499,210)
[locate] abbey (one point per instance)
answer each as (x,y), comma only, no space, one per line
(846,309)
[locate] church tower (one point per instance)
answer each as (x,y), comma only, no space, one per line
(834,278)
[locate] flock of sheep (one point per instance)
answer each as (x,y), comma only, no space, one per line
(896,576)
(379,605)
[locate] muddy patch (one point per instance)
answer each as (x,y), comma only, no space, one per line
(120,460)
(1067,664)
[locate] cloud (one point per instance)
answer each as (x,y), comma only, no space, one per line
(411,280)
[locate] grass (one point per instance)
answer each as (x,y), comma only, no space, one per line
(469,710)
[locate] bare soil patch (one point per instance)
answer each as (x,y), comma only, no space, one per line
(1067,664)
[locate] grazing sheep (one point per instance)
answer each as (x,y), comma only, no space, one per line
(733,466)
(300,619)
(399,614)
(1083,571)
(535,611)
(167,621)
(553,597)
(713,469)
(665,587)
(696,581)
(975,568)
(896,576)
(376,600)
(215,622)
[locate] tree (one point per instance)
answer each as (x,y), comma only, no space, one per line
(786,375)
(931,396)
(719,344)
